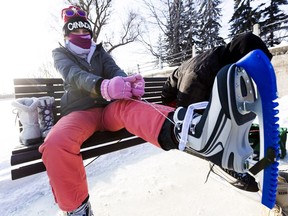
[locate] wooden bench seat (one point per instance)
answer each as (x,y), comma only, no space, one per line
(26,160)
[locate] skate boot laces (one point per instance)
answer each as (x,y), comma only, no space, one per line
(47,115)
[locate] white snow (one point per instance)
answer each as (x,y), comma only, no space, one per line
(139,181)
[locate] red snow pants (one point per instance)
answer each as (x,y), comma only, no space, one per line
(61,148)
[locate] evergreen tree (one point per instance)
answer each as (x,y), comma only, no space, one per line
(179,23)
(244,17)
(272,19)
(210,14)
(181,31)
(174,32)
(191,29)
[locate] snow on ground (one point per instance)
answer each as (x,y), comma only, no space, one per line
(138,181)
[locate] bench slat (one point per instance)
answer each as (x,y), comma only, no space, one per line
(36,89)
(30,153)
(27,170)
(38,167)
(29,95)
(155,79)
(37,81)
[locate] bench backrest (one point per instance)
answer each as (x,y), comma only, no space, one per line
(53,87)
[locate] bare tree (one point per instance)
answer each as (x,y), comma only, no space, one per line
(45,70)
(160,18)
(177,22)
(131,32)
(99,13)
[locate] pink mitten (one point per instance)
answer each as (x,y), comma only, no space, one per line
(137,84)
(116,88)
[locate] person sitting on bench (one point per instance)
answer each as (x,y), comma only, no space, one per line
(99,96)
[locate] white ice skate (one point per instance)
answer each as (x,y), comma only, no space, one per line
(240,92)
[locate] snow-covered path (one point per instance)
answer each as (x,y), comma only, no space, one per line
(138,181)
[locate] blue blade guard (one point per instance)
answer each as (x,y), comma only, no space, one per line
(260,69)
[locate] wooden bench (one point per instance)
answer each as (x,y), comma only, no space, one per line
(26,160)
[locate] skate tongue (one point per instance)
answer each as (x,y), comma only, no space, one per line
(187,122)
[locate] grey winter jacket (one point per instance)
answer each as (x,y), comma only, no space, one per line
(80,77)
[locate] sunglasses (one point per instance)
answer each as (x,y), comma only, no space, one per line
(72,11)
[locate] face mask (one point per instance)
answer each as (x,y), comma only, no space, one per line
(83,40)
